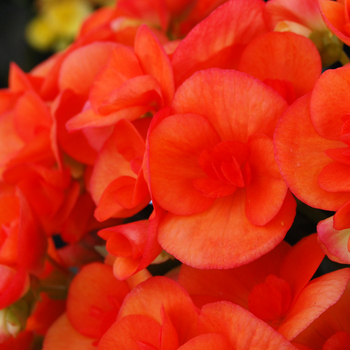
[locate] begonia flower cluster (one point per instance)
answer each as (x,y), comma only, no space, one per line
(184,130)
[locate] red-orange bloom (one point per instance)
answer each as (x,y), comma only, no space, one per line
(212,168)
(276,287)
(312,150)
(93,303)
(159,314)
(336,14)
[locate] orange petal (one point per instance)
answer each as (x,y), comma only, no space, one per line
(140,91)
(131,332)
(149,297)
(328,106)
(68,105)
(243,330)
(320,294)
(301,263)
(266,190)
(88,118)
(334,177)
(233,284)
(79,69)
(333,13)
(300,156)
(204,48)
(155,62)
(222,236)
(266,57)
(339,341)
(211,341)
(342,217)
(71,339)
(236,104)
(175,145)
(93,292)
(120,66)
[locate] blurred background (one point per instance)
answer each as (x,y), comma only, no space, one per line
(31,30)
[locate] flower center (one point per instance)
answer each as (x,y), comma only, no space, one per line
(226,168)
(270,300)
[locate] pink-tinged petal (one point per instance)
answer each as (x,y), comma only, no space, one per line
(66,106)
(175,145)
(334,242)
(79,69)
(305,12)
(266,190)
(150,297)
(328,106)
(283,56)
(204,48)
(334,177)
(333,13)
(236,104)
(131,333)
(338,341)
(155,62)
(94,292)
(320,294)
(121,66)
(301,263)
(226,238)
(341,219)
(141,91)
(88,118)
(299,152)
(211,341)
(62,336)
(242,329)
(233,284)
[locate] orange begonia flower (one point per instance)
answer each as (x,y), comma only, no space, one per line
(212,167)
(93,303)
(158,314)
(276,287)
(130,83)
(312,150)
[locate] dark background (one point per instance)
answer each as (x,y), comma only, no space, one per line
(14,15)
